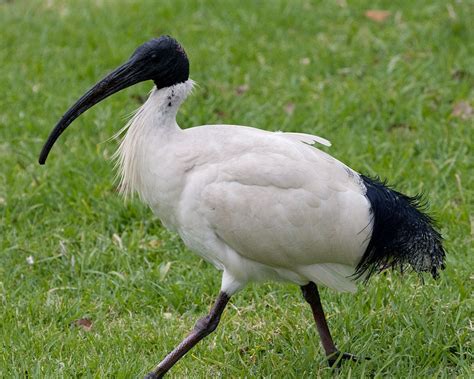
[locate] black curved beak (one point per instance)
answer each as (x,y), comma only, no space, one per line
(124,76)
(162,60)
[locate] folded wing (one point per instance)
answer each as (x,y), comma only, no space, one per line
(288,206)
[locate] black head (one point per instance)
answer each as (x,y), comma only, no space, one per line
(162,60)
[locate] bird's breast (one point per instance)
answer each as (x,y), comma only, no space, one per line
(162,179)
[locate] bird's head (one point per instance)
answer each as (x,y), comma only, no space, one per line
(162,60)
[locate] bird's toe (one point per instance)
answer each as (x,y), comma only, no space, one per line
(152,375)
(336,358)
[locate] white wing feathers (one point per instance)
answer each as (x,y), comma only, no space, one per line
(306,138)
(284,204)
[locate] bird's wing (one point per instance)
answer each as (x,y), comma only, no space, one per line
(310,139)
(282,203)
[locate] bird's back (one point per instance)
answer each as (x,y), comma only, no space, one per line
(273,199)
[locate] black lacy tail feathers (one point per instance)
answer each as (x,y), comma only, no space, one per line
(402,233)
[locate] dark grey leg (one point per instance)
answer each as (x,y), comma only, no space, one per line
(203,328)
(311,295)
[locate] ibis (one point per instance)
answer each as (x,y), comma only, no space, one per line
(258,205)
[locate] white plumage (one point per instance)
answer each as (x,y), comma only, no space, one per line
(258,205)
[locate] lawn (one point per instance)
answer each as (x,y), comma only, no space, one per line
(394,97)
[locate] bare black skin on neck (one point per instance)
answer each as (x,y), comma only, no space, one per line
(162,60)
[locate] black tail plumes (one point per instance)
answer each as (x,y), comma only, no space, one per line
(402,234)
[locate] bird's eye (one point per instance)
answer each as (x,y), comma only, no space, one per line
(153,55)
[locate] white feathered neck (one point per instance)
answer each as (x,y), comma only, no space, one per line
(155,118)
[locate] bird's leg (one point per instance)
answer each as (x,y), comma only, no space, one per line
(311,295)
(203,328)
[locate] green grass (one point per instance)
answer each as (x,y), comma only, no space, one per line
(383,93)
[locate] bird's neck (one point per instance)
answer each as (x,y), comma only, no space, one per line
(152,126)
(163,104)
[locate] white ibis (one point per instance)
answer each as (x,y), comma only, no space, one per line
(257,205)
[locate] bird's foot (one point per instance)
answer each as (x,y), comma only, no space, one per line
(154,375)
(335,359)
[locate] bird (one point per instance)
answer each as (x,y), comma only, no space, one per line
(256,204)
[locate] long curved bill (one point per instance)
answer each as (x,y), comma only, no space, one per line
(124,76)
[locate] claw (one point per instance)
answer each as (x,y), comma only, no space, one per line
(335,359)
(153,375)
